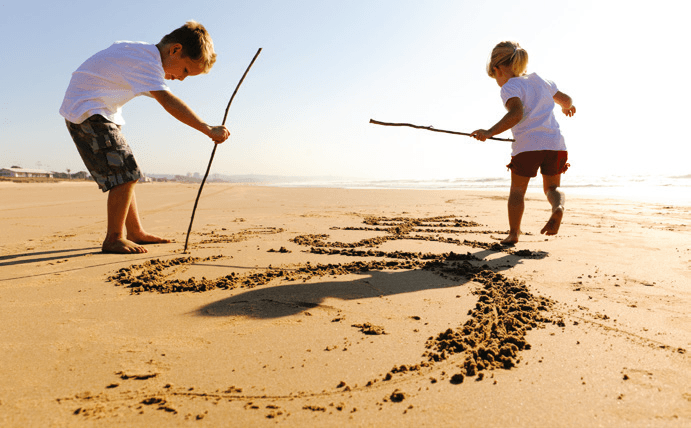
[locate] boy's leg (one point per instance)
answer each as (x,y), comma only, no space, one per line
(109,159)
(119,201)
(516,205)
(135,230)
(557,199)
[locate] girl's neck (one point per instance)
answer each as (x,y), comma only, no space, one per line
(502,75)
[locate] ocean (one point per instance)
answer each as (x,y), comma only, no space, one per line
(665,190)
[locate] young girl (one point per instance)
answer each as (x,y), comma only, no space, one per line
(539,144)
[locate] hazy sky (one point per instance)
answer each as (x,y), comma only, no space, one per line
(327,67)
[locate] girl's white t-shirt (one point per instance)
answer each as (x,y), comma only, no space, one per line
(111,78)
(538,130)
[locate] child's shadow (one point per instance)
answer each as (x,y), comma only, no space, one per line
(46,256)
(289,299)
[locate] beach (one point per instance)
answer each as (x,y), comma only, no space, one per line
(342,307)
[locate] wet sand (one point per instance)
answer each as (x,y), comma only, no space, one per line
(333,307)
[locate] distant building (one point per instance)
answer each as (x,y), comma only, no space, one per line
(24,172)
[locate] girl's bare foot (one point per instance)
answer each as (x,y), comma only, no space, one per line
(552,226)
(121,246)
(511,239)
(147,238)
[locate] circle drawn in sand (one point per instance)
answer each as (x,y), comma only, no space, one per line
(492,337)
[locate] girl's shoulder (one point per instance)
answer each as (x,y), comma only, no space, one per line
(534,80)
(527,86)
(519,83)
(535,77)
(523,80)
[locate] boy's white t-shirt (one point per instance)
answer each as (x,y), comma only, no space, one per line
(538,130)
(111,78)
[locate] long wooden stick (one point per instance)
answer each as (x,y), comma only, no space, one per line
(213,152)
(430,128)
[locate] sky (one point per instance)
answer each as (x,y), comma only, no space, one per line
(328,67)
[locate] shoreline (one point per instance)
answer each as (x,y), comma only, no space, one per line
(673,190)
(333,307)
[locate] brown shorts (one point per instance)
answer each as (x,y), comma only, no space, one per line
(549,162)
(104,151)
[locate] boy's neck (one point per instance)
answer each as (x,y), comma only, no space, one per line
(162,49)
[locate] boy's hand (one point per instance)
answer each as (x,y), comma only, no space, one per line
(218,133)
(481,134)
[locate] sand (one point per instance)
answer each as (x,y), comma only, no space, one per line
(332,307)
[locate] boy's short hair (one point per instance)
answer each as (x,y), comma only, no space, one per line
(196,44)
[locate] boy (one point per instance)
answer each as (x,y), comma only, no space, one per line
(92,110)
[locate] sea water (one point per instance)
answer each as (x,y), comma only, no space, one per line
(666,190)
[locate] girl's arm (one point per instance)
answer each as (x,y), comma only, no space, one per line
(181,111)
(510,119)
(565,102)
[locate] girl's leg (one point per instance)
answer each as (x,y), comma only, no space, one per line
(516,205)
(119,201)
(135,230)
(557,199)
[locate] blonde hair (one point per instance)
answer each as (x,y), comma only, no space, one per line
(510,54)
(196,44)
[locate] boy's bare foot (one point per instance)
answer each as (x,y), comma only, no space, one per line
(511,239)
(121,246)
(552,226)
(147,238)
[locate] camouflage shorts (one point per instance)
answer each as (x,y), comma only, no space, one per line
(104,151)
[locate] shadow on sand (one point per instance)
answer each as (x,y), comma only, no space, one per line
(63,255)
(283,300)
(50,256)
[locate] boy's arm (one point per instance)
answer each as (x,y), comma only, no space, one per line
(181,111)
(510,119)
(565,102)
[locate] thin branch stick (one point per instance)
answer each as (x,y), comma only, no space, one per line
(240,83)
(213,152)
(430,128)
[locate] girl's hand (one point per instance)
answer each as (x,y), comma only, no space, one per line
(565,102)
(569,111)
(481,134)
